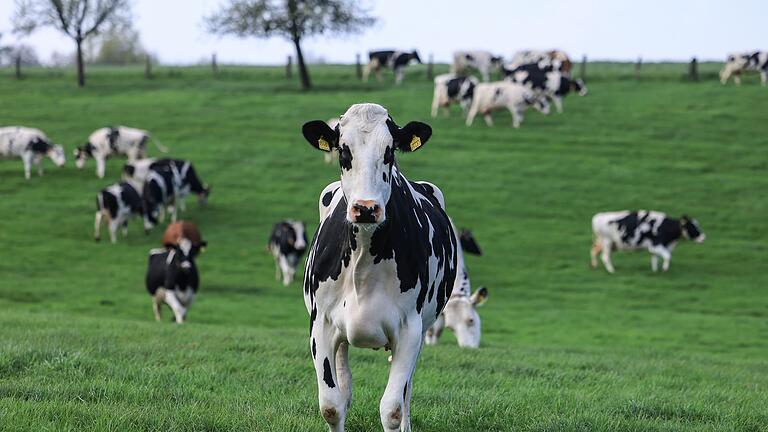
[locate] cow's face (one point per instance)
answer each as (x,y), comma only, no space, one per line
(579,87)
(82,154)
(692,230)
(366,139)
(56,154)
(202,197)
(461,316)
(415,55)
(184,253)
(300,240)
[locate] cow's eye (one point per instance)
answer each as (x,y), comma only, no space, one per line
(470,322)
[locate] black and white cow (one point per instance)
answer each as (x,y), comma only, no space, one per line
(172,278)
(382,263)
(481,61)
(546,81)
(460,313)
(555,59)
(451,88)
(395,60)
(110,141)
(185,178)
(31,146)
(160,194)
(117,204)
(516,98)
(642,229)
(736,63)
(287,243)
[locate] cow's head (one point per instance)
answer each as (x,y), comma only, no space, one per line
(366,139)
(56,154)
(82,154)
(299,239)
(415,55)
(184,252)
(202,197)
(691,229)
(461,316)
(579,87)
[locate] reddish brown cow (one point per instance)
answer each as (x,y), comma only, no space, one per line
(184,229)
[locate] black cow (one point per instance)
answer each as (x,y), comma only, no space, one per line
(172,278)
(117,203)
(395,60)
(546,81)
(287,243)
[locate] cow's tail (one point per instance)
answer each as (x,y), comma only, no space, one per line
(159,145)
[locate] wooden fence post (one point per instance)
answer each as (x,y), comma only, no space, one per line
(583,68)
(358,67)
(430,68)
(18,65)
(638,65)
(148,68)
(693,70)
(289,68)
(214,65)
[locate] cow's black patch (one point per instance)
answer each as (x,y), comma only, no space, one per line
(284,236)
(39,145)
(389,156)
(668,232)
(112,136)
(327,198)
(314,348)
(405,389)
(327,376)
(312,317)
(381,56)
(627,225)
(332,249)
(453,86)
(535,76)
(384,176)
(345,157)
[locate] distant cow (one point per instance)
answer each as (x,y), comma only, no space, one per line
(160,194)
(117,203)
(651,230)
(543,80)
(557,60)
(460,313)
(382,263)
(395,60)
(287,242)
(31,146)
(481,61)
(111,141)
(736,63)
(178,231)
(450,88)
(172,278)
(186,180)
(515,97)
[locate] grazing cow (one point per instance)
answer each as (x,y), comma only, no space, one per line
(160,192)
(460,313)
(172,278)
(178,231)
(185,179)
(652,230)
(557,60)
(481,61)
(504,94)
(741,62)
(395,60)
(31,146)
(550,83)
(331,156)
(109,141)
(453,88)
(287,243)
(381,265)
(117,203)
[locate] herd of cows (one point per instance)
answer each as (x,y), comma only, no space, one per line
(386,267)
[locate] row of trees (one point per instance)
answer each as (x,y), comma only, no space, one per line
(294,20)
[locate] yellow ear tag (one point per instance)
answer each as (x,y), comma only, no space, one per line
(415,143)
(323,144)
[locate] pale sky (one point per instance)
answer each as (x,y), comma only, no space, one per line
(602,29)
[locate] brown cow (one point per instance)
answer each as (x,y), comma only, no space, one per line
(184,229)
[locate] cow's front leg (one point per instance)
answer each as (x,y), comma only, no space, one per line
(517,117)
(737,78)
(39,164)
(97,225)
(488,119)
(178,309)
(399,73)
(285,268)
(100,166)
(664,253)
(434,332)
(395,404)
(333,400)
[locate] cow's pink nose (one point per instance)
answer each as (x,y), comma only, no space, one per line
(365,211)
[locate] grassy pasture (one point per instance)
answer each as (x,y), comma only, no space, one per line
(564,348)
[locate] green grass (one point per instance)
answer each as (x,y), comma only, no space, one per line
(564,348)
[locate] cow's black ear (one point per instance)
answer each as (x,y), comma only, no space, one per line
(412,136)
(320,135)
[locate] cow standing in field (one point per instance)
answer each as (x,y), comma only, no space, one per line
(395,60)
(185,178)
(172,278)
(382,263)
(736,63)
(651,230)
(451,88)
(505,95)
(460,313)
(178,231)
(117,204)
(287,243)
(481,61)
(548,82)
(555,59)
(31,146)
(110,141)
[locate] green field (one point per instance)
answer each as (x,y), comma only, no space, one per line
(564,348)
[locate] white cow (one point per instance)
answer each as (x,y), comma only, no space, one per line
(505,95)
(481,61)
(737,63)
(382,264)
(450,88)
(110,141)
(31,146)
(554,59)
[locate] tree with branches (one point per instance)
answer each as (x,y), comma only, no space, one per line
(78,19)
(290,19)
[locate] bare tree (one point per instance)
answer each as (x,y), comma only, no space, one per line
(78,19)
(290,19)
